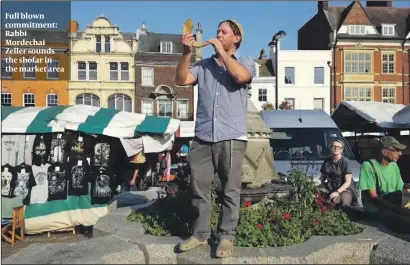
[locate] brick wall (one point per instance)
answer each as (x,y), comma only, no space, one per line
(164,74)
(380,79)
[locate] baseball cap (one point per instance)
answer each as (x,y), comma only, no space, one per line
(390,141)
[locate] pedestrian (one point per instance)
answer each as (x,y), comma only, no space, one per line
(382,187)
(220,138)
(337,175)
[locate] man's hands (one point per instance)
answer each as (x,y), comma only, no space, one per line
(188,42)
(219,48)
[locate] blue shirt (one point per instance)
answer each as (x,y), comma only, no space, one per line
(222,103)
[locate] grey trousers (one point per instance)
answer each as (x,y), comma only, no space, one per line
(226,159)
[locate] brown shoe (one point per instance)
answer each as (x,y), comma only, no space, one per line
(191,243)
(224,249)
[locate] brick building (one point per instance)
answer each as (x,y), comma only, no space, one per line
(155,65)
(370,49)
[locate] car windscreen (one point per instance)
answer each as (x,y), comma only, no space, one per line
(305,143)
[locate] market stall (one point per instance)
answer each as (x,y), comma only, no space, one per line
(62,161)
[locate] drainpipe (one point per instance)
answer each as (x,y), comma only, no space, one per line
(402,70)
(334,70)
(329,63)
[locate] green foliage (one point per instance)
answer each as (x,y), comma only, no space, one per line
(282,222)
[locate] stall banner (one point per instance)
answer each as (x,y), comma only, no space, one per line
(86,119)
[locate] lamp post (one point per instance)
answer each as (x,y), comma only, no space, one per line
(274,43)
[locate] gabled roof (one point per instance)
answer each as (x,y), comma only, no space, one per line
(151,42)
(336,15)
(125,35)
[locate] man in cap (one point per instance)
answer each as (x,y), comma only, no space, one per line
(381,186)
(220,132)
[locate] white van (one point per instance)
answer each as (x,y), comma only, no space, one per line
(301,139)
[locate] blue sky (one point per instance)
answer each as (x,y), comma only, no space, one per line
(260,19)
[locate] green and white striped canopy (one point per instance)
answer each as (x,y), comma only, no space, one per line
(86,119)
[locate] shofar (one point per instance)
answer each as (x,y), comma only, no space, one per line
(258,167)
(188,27)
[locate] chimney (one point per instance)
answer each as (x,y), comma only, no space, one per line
(143,29)
(322,5)
(74,26)
(198,37)
(379,3)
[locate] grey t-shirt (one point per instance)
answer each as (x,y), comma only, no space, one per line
(16,149)
(334,172)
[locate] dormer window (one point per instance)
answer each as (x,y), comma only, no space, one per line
(166,47)
(357,29)
(388,30)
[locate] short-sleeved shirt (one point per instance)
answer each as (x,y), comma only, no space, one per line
(335,171)
(389,181)
(222,103)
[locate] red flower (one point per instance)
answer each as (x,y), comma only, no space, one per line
(318,195)
(287,216)
(247,203)
(260,226)
(315,221)
(319,202)
(324,209)
(332,204)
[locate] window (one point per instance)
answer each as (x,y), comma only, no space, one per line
(88,99)
(52,100)
(358,62)
(182,106)
(263,95)
(52,70)
(309,144)
(319,104)
(125,74)
(291,102)
(357,29)
(82,71)
(147,107)
(358,94)
(120,102)
(388,30)
(29,100)
(113,71)
(165,107)
(29,70)
(289,75)
(166,47)
(319,78)
(389,95)
(98,43)
(5,99)
(388,63)
(4,72)
(107,45)
(92,71)
(147,76)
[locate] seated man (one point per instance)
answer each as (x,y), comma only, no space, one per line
(381,186)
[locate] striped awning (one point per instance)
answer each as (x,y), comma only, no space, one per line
(86,119)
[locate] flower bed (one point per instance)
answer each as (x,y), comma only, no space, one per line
(283,222)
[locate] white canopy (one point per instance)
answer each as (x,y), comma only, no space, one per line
(403,116)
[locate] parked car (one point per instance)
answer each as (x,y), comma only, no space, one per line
(301,139)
